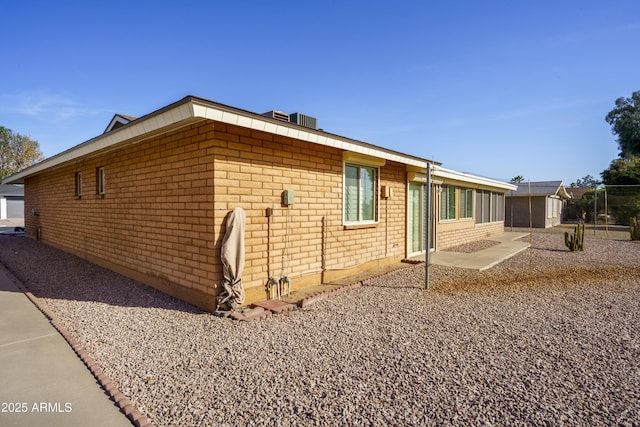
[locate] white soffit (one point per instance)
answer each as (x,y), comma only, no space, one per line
(143,128)
(362,159)
(248,121)
(472,179)
(191,109)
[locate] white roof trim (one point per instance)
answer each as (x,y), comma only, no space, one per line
(135,129)
(443,173)
(248,120)
(192,109)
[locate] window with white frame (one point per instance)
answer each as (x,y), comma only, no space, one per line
(78,184)
(360,184)
(447,202)
(554,207)
(497,207)
(466,203)
(489,206)
(100,181)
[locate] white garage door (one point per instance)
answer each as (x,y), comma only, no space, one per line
(15,208)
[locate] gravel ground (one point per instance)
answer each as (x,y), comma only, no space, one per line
(548,337)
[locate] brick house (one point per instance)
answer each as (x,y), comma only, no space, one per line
(148,198)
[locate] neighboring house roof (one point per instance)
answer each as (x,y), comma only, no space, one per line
(578,192)
(11,191)
(192,109)
(541,188)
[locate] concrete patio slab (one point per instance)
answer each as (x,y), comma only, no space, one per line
(483,259)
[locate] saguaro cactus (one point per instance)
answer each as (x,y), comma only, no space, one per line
(634,228)
(575,242)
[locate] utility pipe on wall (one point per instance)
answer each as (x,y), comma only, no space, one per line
(427,258)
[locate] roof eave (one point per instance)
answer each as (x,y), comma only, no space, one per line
(472,179)
(191,109)
(235,116)
(175,115)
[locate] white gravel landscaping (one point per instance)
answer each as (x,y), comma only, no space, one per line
(548,337)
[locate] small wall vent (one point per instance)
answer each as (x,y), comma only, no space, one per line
(302,120)
(278,115)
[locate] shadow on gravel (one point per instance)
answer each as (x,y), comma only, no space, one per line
(52,273)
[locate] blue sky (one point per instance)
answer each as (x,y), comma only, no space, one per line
(494,88)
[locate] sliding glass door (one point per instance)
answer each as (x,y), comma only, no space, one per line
(416,218)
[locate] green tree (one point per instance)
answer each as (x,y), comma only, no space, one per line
(625,122)
(623,172)
(622,178)
(586,181)
(623,188)
(17,152)
(517,179)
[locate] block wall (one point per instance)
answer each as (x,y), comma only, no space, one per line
(307,240)
(154,221)
(162,217)
(453,237)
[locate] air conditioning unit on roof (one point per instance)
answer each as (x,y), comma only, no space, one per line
(303,120)
(278,115)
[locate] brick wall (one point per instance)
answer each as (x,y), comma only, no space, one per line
(153,222)
(469,232)
(161,219)
(306,241)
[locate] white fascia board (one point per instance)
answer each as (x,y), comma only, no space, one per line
(134,129)
(251,121)
(258,125)
(270,127)
(198,109)
(244,122)
(312,137)
(472,179)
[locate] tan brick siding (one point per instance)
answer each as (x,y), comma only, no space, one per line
(161,219)
(155,215)
(451,237)
(252,170)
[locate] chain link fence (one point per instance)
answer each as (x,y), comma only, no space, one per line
(607,212)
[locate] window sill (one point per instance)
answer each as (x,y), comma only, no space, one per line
(360,226)
(447,221)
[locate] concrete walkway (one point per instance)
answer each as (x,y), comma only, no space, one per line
(485,258)
(42,380)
